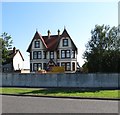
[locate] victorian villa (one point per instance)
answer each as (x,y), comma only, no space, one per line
(53,50)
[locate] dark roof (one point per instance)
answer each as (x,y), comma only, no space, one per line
(51,43)
(11,55)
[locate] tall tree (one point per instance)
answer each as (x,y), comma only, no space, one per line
(103,50)
(6,43)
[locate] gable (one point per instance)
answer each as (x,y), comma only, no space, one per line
(41,45)
(18,55)
(11,55)
(17,61)
(37,37)
(21,55)
(66,36)
(52,42)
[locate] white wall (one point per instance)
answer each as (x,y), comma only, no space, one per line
(60,47)
(41,45)
(69,47)
(69,43)
(17,61)
(61,80)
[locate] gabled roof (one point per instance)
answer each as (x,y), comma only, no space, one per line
(51,43)
(11,55)
(36,36)
(65,34)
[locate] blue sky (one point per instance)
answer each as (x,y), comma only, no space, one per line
(21,19)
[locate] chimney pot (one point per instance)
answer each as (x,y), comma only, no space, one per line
(14,50)
(58,32)
(48,33)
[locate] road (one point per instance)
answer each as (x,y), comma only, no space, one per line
(19,104)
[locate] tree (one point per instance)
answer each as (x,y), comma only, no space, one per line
(103,50)
(6,44)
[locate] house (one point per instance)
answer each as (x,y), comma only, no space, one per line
(53,50)
(15,61)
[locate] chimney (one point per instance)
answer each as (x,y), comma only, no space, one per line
(14,50)
(58,32)
(48,33)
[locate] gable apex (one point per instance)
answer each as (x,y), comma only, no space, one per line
(65,33)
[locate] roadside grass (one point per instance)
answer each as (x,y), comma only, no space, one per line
(66,92)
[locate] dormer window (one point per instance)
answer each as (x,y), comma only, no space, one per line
(65,42)
(37,44)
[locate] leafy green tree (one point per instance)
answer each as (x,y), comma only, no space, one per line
(85,68)
(103,50)
(6,44)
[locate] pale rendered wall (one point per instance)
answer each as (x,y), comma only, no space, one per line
(17,62)
(62,80)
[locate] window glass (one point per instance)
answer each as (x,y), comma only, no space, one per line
(68,66)
(39,66)
(51,55)
(65,42)
(63,53)
(34,55)
(68,54)
(37,44)
(73,54)
(39,55)
(35,67)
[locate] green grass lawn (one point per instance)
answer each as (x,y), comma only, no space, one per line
(62,92)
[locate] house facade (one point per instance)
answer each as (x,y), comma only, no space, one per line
(15,61)
(53,50)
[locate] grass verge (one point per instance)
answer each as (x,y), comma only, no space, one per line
(62,92)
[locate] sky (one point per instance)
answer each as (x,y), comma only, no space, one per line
(21,19)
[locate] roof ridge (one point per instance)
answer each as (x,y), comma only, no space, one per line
(50,35)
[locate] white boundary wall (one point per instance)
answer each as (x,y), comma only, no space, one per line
(61,80)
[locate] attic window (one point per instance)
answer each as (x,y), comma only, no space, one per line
(65,42)
(37,44)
